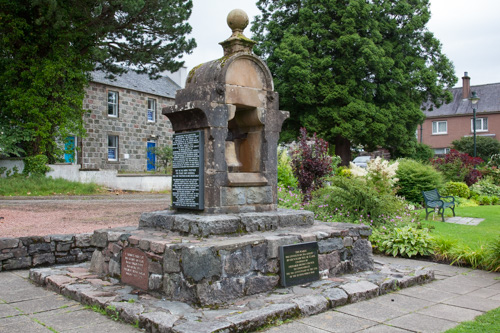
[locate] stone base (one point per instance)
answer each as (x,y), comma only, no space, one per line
(242,315)
(204,225)
(215,269)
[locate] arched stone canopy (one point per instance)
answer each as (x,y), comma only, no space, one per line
(232,99)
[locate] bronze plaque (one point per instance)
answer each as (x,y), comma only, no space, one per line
(135,268)
(299,263)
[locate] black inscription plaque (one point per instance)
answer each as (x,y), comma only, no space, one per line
(299,263)
(187,170)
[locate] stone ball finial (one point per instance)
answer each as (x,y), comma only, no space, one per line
(237,20)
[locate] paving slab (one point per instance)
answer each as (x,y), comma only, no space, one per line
(65,321)
(402,302)
(485,293)
(384,329)
(372,311)
(334,321)
(474,303)
(107,327)
(449,312)
(456,287)
(47,303)
(422,323)
(24,325)
(6,310)
(296,327)
(428,294)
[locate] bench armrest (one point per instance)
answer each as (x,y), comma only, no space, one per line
(448,197)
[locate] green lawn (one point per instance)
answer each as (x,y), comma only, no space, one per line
(473,236)
(43,186)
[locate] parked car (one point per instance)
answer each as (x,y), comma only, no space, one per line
(362,161)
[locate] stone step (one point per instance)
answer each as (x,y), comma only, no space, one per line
(244,314)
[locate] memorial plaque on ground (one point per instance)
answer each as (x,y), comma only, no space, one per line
(134,268)
(187,170)
(299,263)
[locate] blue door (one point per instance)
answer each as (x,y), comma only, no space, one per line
(69,149)
(151,156)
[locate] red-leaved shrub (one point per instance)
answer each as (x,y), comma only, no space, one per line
(311,163)
(458,167)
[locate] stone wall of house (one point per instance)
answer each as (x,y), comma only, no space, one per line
(131,126)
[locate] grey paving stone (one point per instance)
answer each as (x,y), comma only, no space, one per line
(7,310)
(295,327)
(334,321)
(427,294)
(452,287)
(50,302)
(485,293)
(476,281)
(422,323)
(474,303)
(64,321)
(21,290)
(495,286)
(402,302)
(372,311)
(109,326)
(449,312)
(384,329)
(23,325)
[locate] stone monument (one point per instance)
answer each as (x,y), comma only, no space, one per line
(224,237)
(230,103)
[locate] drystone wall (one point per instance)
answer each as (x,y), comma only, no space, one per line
(35,251)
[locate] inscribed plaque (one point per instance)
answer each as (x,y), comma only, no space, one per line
(299,263)
(134,268)
(188,170)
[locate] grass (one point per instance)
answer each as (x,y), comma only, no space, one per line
(476,246)
(44,186)
(473,236)
(487,322)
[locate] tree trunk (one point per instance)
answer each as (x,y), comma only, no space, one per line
(343,149)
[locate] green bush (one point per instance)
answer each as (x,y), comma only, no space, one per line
(36,165)
(457,189)
(485,187)
(494,161)
(355,200)
(423,153)
(484,200)
(415,177)
(286,177)
(494,200)
(485,146)
(406,241)
(492,257)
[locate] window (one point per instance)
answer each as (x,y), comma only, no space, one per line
(441,151)
(440,127)
(151,110)
(481,125)
(112,148)
(112,103)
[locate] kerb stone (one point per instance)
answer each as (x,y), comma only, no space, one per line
(311,304)
(359,291)
(336,297)
(160,322)
(255,318)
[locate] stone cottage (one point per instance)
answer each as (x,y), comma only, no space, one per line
(123,121)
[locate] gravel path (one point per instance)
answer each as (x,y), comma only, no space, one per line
(40,216)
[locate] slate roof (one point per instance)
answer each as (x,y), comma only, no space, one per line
(163,87)
(489,95)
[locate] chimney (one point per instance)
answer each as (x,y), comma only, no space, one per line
(465,86)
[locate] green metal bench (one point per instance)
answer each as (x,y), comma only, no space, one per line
(434,200)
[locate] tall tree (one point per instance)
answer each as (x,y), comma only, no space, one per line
(354,71)
(49,47)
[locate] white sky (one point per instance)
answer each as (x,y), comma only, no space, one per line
(468,30)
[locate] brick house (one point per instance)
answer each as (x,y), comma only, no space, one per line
(123,121)
(454,120)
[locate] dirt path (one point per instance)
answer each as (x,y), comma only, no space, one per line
(64,215)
